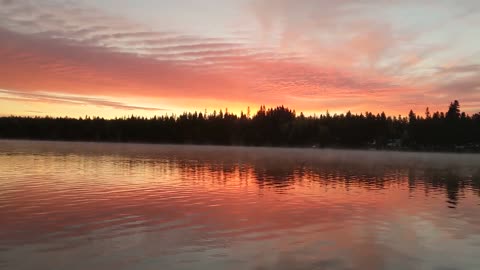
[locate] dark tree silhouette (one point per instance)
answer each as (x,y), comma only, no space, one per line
(280,126)
(454,111)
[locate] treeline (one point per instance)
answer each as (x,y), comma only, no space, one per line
(280,126)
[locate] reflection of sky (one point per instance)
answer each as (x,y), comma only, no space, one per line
(188,55)
(176,207)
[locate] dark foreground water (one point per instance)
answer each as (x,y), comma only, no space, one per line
(107,206)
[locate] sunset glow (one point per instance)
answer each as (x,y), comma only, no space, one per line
(115,58)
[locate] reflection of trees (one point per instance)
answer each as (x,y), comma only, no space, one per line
(277,175)
(282,170)
(282,174)
(453,181)
(476,182)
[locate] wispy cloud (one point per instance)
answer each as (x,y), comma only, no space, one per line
(66,99)
(475,68)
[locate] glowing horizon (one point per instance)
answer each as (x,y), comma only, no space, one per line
(116,58)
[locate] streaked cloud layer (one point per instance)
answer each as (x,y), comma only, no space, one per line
(119,56)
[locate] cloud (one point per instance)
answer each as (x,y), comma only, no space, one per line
(37,63)
(72,100)
(460,69)
(33,63)
(468,85)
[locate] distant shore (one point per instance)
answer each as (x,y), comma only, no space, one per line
(366,148)
(451,131)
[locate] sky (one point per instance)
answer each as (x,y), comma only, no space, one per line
(113,58)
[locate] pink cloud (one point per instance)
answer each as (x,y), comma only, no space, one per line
(53,66)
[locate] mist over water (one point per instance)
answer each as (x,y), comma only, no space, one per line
(130,206)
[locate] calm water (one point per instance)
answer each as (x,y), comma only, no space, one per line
(107,206)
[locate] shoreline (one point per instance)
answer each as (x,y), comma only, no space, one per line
(293,147)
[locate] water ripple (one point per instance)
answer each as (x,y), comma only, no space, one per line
(81,206)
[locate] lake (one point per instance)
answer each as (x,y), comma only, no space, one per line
(130,206)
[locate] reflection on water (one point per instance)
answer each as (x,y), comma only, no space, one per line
(106,206)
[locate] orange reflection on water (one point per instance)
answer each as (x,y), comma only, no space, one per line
(185,205)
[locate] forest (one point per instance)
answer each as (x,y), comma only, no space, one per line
(452,130)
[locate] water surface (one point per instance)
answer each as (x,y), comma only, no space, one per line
(113,206)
